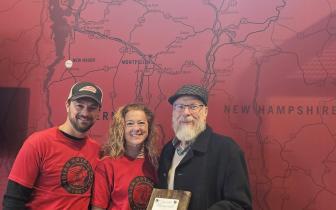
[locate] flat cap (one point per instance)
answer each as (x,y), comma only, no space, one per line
(190,90)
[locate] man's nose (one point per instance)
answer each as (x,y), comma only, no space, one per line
(85,111)
(186,110)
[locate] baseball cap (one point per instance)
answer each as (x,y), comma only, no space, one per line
(86,90)
(190,90)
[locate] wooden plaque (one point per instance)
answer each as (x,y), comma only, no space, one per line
(183,198)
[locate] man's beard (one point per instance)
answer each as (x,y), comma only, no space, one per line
(187,132)
(78,127)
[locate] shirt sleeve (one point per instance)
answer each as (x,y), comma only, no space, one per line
(27,164)
(103,185)
(16,196)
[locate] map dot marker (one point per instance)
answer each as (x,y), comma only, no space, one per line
(68,64)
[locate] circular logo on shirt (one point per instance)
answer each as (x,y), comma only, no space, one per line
(77,175)
(139,192)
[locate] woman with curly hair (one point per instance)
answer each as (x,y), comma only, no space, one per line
(125,176)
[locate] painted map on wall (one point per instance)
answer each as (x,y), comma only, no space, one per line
(270,67)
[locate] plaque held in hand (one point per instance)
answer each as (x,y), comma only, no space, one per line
(164,199)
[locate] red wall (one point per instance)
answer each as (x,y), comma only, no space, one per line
(269,65)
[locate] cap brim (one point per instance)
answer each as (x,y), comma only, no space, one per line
(85,96)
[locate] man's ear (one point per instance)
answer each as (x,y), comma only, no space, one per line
(67,105)
(206,111)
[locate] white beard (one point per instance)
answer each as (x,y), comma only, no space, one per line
(187,133)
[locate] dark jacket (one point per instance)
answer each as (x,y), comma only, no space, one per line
(214,170)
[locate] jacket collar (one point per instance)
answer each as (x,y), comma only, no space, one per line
(200,145)
(202,141)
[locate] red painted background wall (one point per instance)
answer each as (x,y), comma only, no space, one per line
(270,67)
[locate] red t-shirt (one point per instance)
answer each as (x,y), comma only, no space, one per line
(123,183)
(59,170)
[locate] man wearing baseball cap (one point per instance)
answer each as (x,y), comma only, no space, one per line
(211,166)
(54,167)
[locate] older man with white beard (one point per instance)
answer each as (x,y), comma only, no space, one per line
(211,166)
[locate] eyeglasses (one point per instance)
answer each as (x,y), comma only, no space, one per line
(193,108)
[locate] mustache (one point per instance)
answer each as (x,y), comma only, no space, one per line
(79,116)
(185,119)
